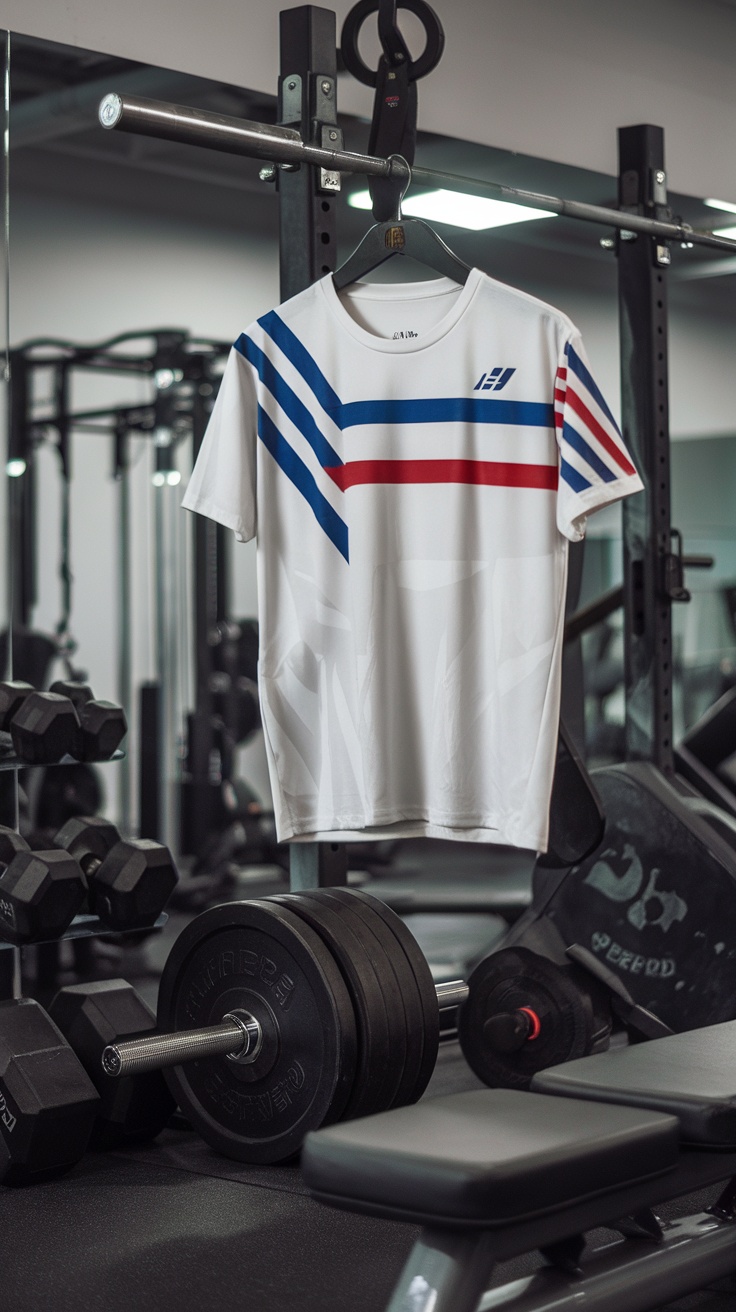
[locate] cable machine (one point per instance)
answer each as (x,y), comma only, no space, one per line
(184,374)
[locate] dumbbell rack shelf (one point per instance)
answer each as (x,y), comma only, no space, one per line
(15,763)
(92,927)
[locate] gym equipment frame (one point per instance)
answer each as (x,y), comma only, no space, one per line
(306,150)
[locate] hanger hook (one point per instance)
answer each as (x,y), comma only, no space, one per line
(400,174)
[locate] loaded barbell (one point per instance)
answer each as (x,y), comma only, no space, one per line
(281,1015)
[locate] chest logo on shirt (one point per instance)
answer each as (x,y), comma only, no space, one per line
(494,380)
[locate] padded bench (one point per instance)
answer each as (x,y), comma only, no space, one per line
(495,1173)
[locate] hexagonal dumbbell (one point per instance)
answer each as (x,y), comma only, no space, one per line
(129,880)
(44,728)
(91,1016)
(47,1100)
(13,693)
(102,725)
(40,892)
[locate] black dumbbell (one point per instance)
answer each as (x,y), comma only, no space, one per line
(91,1016)
(43,726)
(13,693)
(40,892)
(102,725)
(129,880)
(47,1100)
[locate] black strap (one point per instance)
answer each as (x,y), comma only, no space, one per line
(394,123)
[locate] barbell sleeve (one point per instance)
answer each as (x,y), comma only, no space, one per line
(451,994)
(237,1036)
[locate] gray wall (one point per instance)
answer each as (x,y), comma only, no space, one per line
(548,79)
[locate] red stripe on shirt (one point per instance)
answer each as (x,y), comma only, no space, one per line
(576,403)
(489,472)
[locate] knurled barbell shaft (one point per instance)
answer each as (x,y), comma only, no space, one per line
(230,1038)
(152,1052)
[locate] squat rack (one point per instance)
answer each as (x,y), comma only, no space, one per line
(306,148)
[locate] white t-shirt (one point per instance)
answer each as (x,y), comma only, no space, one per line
(414,459)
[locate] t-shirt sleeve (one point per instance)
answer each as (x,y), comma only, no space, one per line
(594,466)
(223,481)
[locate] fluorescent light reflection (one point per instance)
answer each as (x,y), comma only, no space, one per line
(15,468)
(725,232)
(721,205)
(458,209)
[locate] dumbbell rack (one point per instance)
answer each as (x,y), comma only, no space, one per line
(11,762)
(82,926)
(85,926)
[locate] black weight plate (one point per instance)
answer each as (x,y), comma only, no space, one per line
(376,1076)
(429,1023)
(392,976)
(503,984)
(261,958)
(398,978)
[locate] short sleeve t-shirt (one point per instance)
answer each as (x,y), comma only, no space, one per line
(414,460)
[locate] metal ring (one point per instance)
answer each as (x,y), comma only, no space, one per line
(417,68)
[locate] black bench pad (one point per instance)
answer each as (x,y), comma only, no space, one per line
(490,1157)
(691,1076)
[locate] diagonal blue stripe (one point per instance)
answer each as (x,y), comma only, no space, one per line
(573,478)
(296,470)
(587,379)
(579,444)
(303,362)
(463,409)
(288,401)
(448,409)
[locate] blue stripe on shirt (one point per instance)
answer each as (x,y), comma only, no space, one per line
(586,378)
(448,409)
(303,362)
(302,478)
(579,444)
(288,401)
(461,409)
(573,478)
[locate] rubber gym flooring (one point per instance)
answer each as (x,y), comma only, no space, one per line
(174,1227)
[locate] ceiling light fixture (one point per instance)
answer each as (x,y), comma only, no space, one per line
(458,209)
(720,205)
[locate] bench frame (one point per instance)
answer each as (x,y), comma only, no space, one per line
(450,1266)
